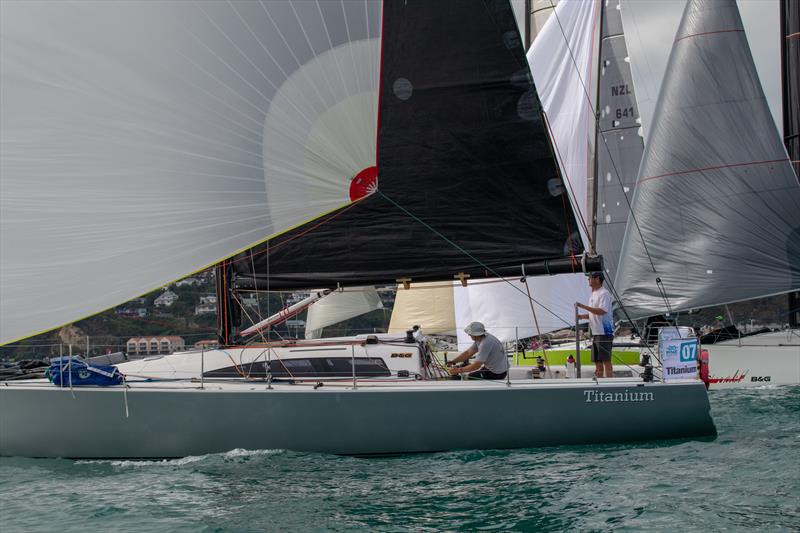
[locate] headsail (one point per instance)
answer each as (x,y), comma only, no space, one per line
(429,305)
(716,202)
(339,306)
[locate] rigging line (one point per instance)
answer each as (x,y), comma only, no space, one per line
(535,320)
(628,317)
(465,252)
(269,348)
(258,298)
(569,234)
(631,214)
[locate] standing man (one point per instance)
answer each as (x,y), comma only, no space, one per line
(601,322)
(490,355)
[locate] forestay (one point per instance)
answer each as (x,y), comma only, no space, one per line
(717,203)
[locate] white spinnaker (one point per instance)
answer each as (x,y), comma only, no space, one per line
(132,140)
(562,85)
(339,306)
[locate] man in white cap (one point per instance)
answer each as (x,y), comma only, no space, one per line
(489,354)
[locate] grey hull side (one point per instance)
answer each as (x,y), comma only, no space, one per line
(49,422)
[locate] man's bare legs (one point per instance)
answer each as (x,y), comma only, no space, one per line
(609,369)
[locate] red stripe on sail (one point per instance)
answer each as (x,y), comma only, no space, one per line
(712,168)
(707,33)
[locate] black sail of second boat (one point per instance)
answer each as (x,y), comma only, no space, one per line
(466,179)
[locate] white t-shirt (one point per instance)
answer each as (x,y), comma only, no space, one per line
(601,324)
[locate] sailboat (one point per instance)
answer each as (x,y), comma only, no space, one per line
(715,211)
(445,95)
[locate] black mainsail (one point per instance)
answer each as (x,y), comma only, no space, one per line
(466,179)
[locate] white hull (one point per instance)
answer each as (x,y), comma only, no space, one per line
(177,419)
(770,358)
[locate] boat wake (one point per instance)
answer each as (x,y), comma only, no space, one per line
(235,455)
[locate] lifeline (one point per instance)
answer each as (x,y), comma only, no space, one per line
(598,396)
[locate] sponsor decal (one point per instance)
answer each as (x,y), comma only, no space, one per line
(405,355)
(736,378)
(679,353)
(598,396)
(761,378)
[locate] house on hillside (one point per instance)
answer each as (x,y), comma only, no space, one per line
(165,299)
(188,282)
(146,346)
(205,309)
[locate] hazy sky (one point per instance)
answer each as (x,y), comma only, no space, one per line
(650,28)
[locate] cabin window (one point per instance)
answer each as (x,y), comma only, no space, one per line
(316,367)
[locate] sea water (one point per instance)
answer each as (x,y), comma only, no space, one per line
(748,478)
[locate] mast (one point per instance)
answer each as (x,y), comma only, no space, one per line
(790,58)
(228,311)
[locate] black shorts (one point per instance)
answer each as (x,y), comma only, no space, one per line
(601,348)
